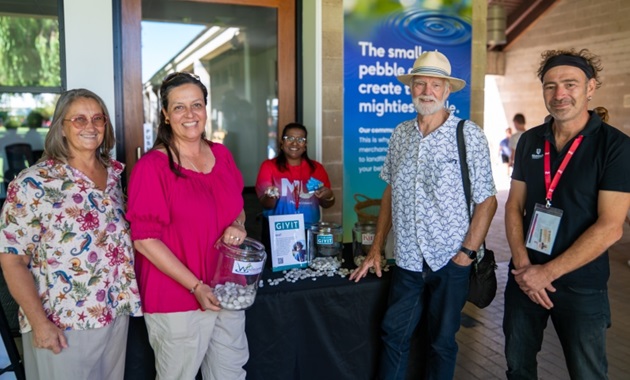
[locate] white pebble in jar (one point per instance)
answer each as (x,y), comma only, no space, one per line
(235,296)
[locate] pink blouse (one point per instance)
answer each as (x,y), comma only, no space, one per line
(188,214)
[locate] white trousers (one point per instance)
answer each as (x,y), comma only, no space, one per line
(96,354)
(183,342)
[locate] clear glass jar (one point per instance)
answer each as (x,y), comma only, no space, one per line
(238,272)
(362,239)
(325,245)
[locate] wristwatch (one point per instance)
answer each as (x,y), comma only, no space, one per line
(470,253)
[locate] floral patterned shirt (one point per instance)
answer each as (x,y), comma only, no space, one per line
(81,255)
(429,213)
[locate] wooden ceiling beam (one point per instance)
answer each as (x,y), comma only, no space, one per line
(523,17)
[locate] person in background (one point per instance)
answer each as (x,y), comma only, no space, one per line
(602,112)
(570,190)
(519,126)
(436,241)
(184,195)
(66,251)
(281,183)
(505,151)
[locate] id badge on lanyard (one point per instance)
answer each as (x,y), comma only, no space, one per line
(543,227)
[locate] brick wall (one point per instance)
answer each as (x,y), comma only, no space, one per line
(332,101)
(601,26)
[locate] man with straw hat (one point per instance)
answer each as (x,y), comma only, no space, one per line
(424,203)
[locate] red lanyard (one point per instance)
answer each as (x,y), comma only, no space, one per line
(297,187)
(297,190)
(549,184)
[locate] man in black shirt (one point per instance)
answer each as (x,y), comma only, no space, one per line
(568,200)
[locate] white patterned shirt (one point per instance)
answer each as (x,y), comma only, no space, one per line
(77,239)
(429,214)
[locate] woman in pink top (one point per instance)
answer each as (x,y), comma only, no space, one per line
(184,195)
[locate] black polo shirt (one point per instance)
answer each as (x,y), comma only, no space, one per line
(601,162)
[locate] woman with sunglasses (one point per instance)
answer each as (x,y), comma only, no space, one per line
(292,183)
(184,195)
(66,253)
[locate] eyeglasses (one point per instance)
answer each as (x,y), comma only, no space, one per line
(98,121)
(293,139)
(172,76)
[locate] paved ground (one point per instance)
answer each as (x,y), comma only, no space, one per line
(481,346)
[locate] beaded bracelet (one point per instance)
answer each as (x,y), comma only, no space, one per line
(192,290)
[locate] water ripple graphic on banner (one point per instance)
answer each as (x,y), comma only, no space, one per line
(429,27)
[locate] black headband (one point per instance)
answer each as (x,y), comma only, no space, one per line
(568,60)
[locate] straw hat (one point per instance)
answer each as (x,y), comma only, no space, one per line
(433,64)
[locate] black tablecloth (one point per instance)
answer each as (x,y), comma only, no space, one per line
(322,329)
(327,328)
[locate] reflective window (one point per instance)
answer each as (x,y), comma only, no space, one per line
(233,49)
(30,80)
(29,51)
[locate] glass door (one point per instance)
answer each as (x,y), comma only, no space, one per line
(235,47)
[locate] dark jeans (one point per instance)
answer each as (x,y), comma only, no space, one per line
(580,317)
(444,293)
(139,360)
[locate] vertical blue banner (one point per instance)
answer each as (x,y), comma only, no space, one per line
(382,39)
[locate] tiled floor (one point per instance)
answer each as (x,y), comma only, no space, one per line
(481,346)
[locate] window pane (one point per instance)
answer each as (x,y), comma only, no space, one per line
(29,51)
(24,118)
(30,78)
(233,48)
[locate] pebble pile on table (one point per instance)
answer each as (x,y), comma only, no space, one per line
(235,296)
(318,267)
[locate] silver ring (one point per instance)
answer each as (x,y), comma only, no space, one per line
(232,237)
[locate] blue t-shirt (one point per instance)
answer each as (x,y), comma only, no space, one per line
(504,145)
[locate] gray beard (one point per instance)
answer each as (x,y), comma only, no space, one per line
(426,110)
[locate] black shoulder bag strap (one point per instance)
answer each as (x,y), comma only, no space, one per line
(461,147)
(483,279)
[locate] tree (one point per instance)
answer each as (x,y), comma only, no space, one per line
(29,52)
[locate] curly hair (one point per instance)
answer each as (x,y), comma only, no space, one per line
(590,59)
